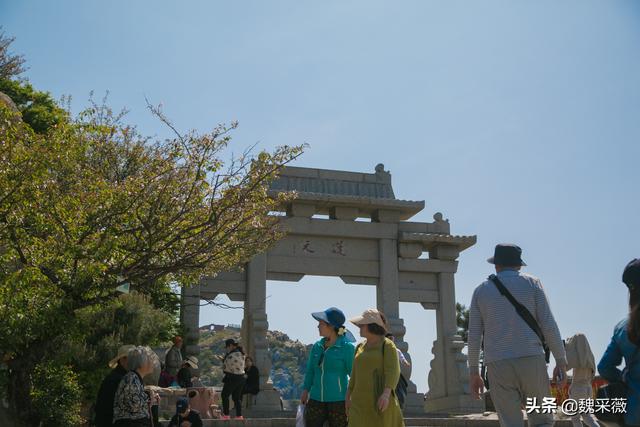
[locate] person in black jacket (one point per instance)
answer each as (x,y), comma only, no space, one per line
(185,374)
(107,392)
(185,416)
(252,384)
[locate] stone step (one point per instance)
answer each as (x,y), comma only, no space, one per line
(478,421)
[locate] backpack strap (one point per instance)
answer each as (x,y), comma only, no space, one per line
(523,312)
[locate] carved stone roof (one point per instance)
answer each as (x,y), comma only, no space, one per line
(327,188)
(337,183)
(429,239)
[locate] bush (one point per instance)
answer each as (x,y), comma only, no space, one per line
(56,395)
(129,319)
(39,110)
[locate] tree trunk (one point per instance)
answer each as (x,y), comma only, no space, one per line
(20,369)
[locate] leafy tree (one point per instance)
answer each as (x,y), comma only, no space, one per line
(11,65)
(39,110)
(89,205)
(462,320)
(101,330)
(56,395)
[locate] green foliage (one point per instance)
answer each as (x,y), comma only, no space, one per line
(129,319)
(39,110)
(462,321)
(56,395)
(11,65)
(30,304)
(90,205)
(289,362)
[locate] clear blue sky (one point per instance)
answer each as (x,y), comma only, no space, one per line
(520,121)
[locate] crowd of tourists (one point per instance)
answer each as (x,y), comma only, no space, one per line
(124,401)
(511,324)
(512,333)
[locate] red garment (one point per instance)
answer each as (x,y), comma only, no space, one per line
(166,379)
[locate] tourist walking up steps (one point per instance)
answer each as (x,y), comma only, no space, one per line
(581,360)
(328,370)
(625,344)
(233,366)
(514,353)
(371,400)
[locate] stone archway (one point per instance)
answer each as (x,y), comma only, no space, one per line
(385,253)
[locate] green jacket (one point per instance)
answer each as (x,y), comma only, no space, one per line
(327,376)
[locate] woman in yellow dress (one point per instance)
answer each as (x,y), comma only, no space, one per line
(371,399)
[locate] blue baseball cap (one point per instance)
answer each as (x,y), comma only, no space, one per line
(182,404)
(333,316)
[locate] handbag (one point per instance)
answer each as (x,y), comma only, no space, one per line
(613,390)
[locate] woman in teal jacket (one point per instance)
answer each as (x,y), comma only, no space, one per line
(328,370)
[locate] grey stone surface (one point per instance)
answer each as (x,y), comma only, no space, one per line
(6,100)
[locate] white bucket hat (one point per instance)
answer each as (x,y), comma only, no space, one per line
(123,351)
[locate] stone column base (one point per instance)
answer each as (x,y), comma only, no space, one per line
(458,405)
(267,401)
(414,404)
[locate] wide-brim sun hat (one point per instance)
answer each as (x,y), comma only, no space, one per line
(332,316)
(368,317)
(507,254)
(123,351)
(191,361)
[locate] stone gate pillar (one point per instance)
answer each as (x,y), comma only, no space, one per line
(388,301)
(449,374)
(254,331)
(189,318)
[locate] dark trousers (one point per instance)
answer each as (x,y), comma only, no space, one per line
(316,413)
(233,385)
